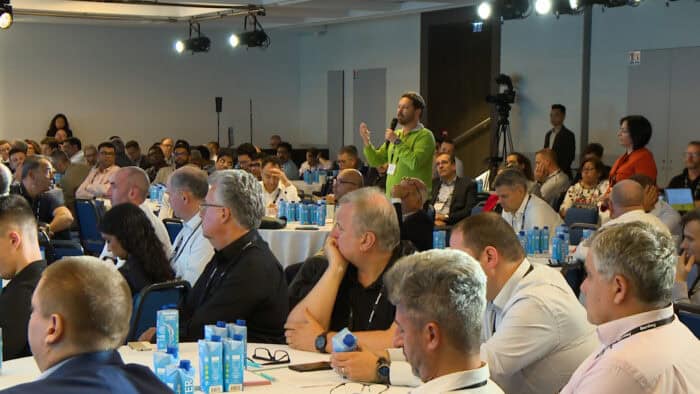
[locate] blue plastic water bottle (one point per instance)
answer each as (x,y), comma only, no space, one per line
(291,212)
(479,185)
(544,240)
(522,237)
(536,239)
(556,248)
(439,239)
(281,208)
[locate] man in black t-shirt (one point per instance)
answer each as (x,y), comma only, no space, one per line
(47,204)
(345,289)
(690,177)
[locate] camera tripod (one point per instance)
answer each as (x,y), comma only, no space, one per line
(502,140)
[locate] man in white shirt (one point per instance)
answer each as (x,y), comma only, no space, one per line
(96,184)
(276,185)
(644,348)
(130,185)
(187,188)
(74,149)
(522,210)
(657,207)
(440,297)
(553,181)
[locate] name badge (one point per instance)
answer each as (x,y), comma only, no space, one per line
(391,169)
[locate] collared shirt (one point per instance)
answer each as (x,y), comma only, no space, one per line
(78,158)
(163,174)
(52,369)
(96,184)
(533,211)
(579,196)
(44,205)
(192,251)
(288,194)
(668,216)
(665,359)
(683,181)
(444,198)
(290,170)
(554,186)
(472,381)
(535,332)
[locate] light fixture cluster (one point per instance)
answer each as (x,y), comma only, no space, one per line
(6,16)
(518,9)
(250,38)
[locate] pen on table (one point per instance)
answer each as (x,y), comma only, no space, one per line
(253,363)
(266,376)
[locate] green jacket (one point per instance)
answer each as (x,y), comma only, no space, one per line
(413,157)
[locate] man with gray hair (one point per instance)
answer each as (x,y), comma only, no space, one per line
(644,349)
(243,280)
(409,197)
(344,288)
(187,189)
(440,298)
(523,210)
(5,180)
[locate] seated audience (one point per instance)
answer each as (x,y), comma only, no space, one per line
(553,181)
(275,141)
(5,180)
(690,256)
(133,151)
(156,161)
(409,196)
(690,177)
(90,155)
(348,157)
(213,147)
(47,204)
(96,184)
(324,161)
(311,163)
(130,236)
(5,147)
(244,155)
(658,207)
(166,145)
(348,180)
(121,159)
(224,159)
(33,147)
(80,318)
(344,288)
(447,146)
(535,332)
(49,145)
(205,155)
(20,263)
(634,135)
(284,154)
(187,189)
(256,166)
(453,196)
(521,162)
(74,149)
(59,122)
(196,159)
(523,210)
(243,280)
(276,185)
(72,175)
(594,150)
(644,348)
(17,157)
(181,157)
(440,298)
(589,190)
(380,180)
(130,185)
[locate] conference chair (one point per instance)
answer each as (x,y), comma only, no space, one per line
(88,223)
(578,219)
(151,299)
(689,314)
(174,226)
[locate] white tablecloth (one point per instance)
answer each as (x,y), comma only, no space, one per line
(285,380)
(291,245)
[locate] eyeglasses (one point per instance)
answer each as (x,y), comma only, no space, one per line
(203,206)
(692,154)
(342,182)
(254,164)
(363,388)
(105,153)
(264,354)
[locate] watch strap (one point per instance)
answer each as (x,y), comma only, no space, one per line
(321,339)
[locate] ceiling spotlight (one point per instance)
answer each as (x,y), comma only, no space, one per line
(574,4)
(579,4)
(252,38)
(234,40)
(543,7)
(484,10)
(199,43)
(6,18)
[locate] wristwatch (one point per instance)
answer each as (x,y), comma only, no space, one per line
(397,141)
(321,342)
(383,370)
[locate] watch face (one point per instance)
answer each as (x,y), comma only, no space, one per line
(321,342)
(383,370)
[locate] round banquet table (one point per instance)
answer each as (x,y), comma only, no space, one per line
(286,381)
(291,245)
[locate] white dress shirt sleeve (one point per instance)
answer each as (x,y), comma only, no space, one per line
(195,258)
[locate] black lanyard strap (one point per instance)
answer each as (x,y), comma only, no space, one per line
(472,386)
(637,330)
(181,245)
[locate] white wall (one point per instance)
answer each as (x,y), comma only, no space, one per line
(546,55)
(392,43)
(129,81)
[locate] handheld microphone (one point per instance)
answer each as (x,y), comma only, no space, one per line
(394,123)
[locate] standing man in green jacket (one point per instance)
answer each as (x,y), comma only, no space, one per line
(408,150)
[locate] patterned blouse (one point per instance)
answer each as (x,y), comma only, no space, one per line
(580,197)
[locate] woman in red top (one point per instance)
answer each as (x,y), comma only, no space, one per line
(634,135)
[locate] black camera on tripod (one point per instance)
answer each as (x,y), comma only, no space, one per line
(506,95)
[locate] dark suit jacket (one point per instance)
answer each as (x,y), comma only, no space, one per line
(417,228)
(463,198)
(15,308)
(564,146)
(95,373)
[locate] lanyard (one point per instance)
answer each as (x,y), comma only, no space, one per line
(522,223)
(371,314)
(393,148)
(224,272)
(493,319)
(637,330)
(471,386)
(181,245)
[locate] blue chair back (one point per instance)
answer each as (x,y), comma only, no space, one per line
(88,223)
(577,219)
(150,300)
(689,314)
(174,226)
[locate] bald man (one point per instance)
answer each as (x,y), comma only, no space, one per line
(347,180)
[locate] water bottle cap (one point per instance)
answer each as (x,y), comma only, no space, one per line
(215,338)
(561,236)
(172,350)
(536,228)
(185,364)
(221,324)
(349,340)
(240,322)
(546,227)
(168,306)
(522,232)
(237,337)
